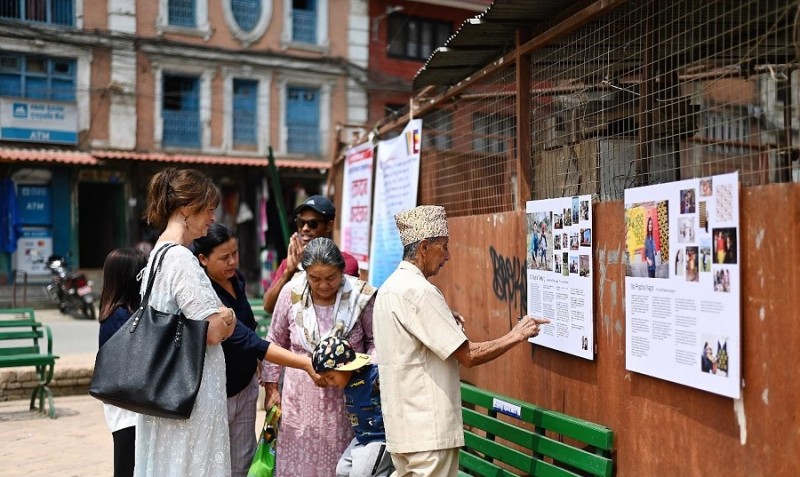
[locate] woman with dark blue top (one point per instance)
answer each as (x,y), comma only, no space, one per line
(119,299)
(218,253)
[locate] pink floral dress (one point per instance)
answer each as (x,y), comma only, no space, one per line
(314,428)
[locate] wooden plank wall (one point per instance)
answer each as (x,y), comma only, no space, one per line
(661,428)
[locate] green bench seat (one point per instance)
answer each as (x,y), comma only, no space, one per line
(19,346)
(538,442)
(262,317)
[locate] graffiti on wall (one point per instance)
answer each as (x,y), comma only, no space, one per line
(508,280)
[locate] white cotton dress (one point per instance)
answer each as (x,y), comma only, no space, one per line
(198,446)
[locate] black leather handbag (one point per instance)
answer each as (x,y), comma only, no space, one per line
(153,364)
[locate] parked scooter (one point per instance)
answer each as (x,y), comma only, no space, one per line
(71,290)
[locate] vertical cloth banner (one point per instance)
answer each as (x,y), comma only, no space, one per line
(396,186)
(356,197)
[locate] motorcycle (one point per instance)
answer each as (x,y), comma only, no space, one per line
(70,290)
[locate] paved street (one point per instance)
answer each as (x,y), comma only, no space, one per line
(77,442)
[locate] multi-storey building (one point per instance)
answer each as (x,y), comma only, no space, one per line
(403,34)
(97,96)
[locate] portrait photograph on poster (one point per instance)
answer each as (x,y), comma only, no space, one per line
(692,270)
(687,201)
(647,239)
(724,240)
(714,358)
(686,326)
(705,255)
(679,262)
(540,236)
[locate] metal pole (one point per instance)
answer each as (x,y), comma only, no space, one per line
(277,192)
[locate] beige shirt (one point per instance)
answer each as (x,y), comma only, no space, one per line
(415,336)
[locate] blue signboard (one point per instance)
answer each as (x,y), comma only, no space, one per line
(38,121)
(34,204)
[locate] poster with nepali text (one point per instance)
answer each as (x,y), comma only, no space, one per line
(559,271)
(682,284)
(396,185)
(356,198)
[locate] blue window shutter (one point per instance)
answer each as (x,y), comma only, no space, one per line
(304,21)
(246,12)
(245,112)
(63,12)
(58,12)
(181,13)
(302,120)
(180,111)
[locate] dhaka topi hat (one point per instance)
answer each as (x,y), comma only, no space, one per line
(335,354)
(320,204)
(421,222)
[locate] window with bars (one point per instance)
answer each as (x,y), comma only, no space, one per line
(493,133)
(246,13)
(245,112)
(182,13)
(438,130)
(304,21)
(37,77)
(302,120)
(56,12)
(414,37)
(180,112)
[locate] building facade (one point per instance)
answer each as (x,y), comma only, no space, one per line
(95,97)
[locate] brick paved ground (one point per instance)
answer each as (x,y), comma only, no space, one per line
(76,443)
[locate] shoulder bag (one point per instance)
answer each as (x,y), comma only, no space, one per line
(153,364)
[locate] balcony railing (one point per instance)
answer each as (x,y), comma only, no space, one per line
(181,128)
(303,139)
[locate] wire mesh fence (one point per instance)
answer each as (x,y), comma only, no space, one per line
(655,91)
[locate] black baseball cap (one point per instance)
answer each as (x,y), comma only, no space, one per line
(320,204)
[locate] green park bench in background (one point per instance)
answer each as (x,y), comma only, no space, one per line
(19,346)
(262,317)
(549,444)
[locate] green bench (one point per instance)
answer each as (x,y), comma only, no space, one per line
(549,444)
(262,317)
(19,346)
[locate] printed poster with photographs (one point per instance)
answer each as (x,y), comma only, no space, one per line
(682,284)
(559,266)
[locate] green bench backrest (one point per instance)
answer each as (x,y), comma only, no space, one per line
(551,445)
(17,324)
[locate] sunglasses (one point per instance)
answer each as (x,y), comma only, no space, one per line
(312,224)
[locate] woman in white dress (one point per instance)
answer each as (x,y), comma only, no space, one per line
(182,203)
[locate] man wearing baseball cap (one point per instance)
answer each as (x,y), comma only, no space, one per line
(340,366)
(421,344)
(313,218)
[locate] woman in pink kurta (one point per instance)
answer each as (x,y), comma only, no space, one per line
(314,429)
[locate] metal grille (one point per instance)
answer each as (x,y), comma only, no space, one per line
(469,149)
(663,91)
(655,91)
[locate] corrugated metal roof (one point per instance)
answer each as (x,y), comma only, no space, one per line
(484,38)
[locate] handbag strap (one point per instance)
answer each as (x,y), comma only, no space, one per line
(150,279)
(157,260)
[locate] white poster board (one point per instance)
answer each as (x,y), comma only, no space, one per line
(356,198)
(560,275)
(682,284)
(396,185)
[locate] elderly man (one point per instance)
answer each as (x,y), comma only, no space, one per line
(420,343)
(313,218)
